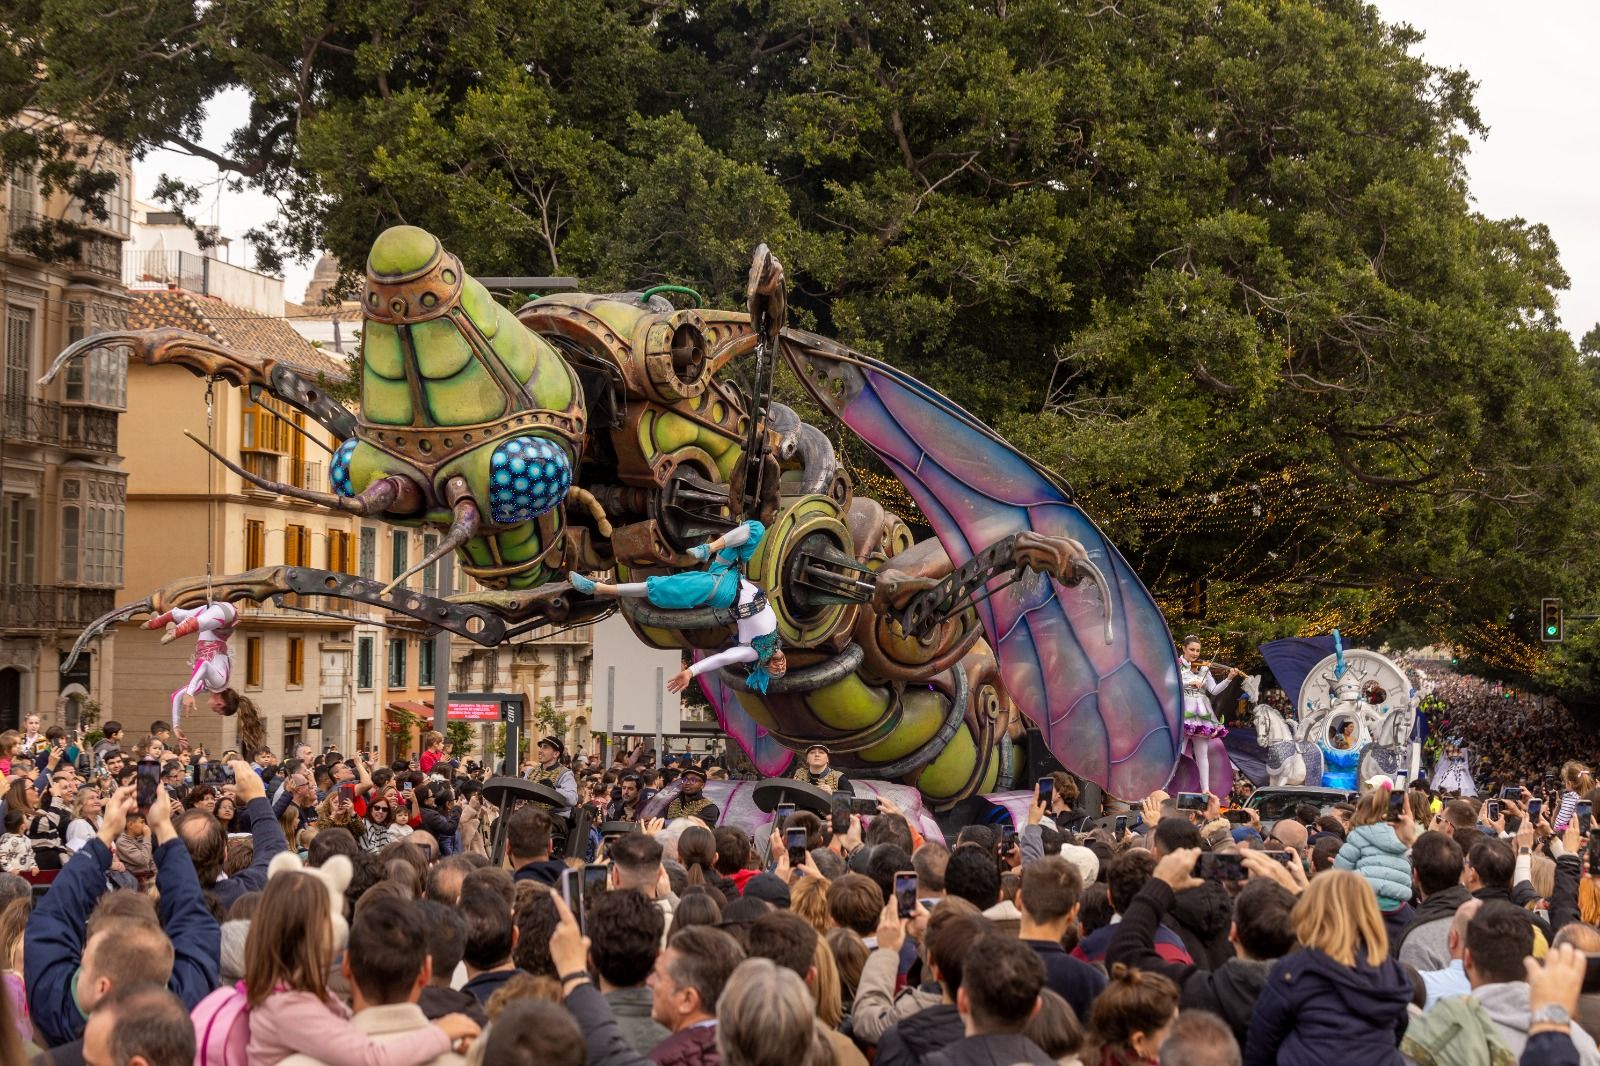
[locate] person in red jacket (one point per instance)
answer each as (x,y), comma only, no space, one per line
(432,750)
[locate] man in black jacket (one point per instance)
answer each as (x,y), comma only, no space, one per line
(1200,917)
(447,942)
(1260,932)
(914,1039)
(1048,900)
(1487,874)
(1436,864)
(1000,983)
(207,840)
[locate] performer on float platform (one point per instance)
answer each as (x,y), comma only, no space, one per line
(1200,721)
(550,772)
(690,803)
(816,772)
(720,585)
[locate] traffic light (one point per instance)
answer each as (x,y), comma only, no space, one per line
(1551,629)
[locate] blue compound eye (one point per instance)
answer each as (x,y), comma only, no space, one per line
(531,476)
(339,469)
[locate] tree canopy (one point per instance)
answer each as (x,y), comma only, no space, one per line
(1215,261)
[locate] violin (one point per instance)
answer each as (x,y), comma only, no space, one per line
(1206,664)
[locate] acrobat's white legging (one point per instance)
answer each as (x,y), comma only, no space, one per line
(1200,751)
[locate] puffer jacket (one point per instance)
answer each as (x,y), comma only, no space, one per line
(1374,852)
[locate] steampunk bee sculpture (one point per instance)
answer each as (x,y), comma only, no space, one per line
(606,434)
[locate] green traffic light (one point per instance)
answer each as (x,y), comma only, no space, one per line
(1550,630)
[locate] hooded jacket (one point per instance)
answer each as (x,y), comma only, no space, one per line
(1229,991)
(1507,1006)
(1376,853)
(1201,916)
(915,1038)
(1313,1010)
(1455,1032)
(1425,944)
(545,871)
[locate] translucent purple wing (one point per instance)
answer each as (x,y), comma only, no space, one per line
(1111,712)
(770,757)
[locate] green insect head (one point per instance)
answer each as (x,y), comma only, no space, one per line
(478,420)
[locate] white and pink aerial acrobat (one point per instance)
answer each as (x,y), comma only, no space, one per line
(213,665)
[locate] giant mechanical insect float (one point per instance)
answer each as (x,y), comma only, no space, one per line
(607,436)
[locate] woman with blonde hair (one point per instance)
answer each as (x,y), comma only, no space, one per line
(1339,990)
(829,992)
(765,1018)
(87,806)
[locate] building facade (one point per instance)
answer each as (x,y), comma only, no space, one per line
(62,483)
(320,671)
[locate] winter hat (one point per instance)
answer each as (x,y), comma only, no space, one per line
(1086,862)
(335,875)
(768,887)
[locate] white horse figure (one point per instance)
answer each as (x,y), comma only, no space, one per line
(1389,753)
(1289,761)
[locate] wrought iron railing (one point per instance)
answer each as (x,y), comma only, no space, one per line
(97,254)
(89,427)
(306,474)
(45,607)
(24,419)
(160,269)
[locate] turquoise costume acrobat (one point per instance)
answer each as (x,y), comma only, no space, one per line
(722,585)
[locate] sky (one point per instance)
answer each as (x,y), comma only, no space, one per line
(1538,84)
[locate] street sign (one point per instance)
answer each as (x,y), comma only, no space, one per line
(488,711)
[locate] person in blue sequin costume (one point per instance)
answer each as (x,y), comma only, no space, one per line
(720,585)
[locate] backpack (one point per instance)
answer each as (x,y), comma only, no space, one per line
(222,1027)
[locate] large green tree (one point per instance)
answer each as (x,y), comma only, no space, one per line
(1216,259)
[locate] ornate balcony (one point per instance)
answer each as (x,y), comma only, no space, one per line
(35,421)
(51,607)
(93,428)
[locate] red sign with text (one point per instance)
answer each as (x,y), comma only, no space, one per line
(474,712)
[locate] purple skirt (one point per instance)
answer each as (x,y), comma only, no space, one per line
(1199,727)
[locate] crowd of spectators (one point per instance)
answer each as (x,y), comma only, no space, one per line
(322,910)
